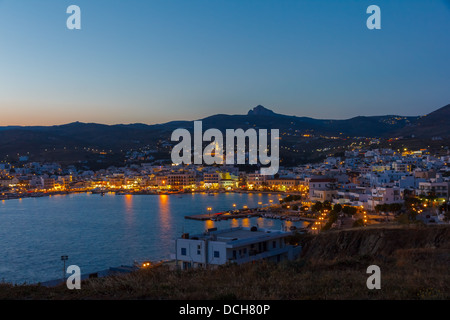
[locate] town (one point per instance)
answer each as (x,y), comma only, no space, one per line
(362,187)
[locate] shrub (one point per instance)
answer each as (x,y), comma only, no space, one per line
(358,223)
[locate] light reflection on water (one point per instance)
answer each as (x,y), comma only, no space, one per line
(99,232)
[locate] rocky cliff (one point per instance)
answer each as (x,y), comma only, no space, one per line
(375,242)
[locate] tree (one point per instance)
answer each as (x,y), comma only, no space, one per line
(317,206)
(304,208)
(395,207)
(326,205)
(431,195)
(349,210)
(407,218)
(337,207)
(358,223)
(295,238)
(412,201)
(332,218)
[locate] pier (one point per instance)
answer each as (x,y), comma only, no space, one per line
(249,213)
(224,215)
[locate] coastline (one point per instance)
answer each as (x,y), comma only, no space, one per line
(39,194)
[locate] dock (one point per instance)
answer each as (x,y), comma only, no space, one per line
(249,213)
(224,215)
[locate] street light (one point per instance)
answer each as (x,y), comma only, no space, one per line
(64,259)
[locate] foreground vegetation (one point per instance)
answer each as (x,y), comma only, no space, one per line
(416,267)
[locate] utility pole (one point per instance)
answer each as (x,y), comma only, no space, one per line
(64,259)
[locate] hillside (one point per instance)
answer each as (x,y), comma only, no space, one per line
(435,124)
(77,140)
(414,263)
(377,242)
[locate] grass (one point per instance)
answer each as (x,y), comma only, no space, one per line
(412,273)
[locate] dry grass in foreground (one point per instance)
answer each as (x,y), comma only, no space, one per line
(414,274)
(414,264)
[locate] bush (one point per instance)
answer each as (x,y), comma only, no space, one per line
(332,218)
(304,208)
(349,210)
(407,218)
(291,198)
(337,207)
(393,207)
(358,223)
(295,238)
(326,205)
(317,206)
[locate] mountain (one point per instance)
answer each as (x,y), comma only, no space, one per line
(77,141)
(261,111)
(435,124)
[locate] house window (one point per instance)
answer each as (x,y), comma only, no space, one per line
(183,251)
(216,254)
(274,244)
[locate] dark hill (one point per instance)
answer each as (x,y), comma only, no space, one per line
(261,111)
(34,139)
(435,124)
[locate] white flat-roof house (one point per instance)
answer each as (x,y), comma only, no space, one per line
(236,245)
(383,195)
(439,188)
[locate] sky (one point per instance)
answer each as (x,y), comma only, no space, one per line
(155,61)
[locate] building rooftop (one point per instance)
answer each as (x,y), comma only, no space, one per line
(240,235)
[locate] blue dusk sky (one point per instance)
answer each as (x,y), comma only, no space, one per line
(161,60)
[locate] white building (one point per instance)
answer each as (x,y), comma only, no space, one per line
(256,179)
(436,187)
(235,245)
(383,195)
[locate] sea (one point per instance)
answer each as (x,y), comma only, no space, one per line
(97,232)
